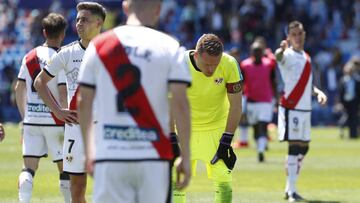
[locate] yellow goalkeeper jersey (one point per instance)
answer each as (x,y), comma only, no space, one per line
(208,95)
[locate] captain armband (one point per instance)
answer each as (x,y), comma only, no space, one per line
(234,88)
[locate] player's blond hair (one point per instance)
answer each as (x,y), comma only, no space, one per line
(294,24)
(210,44)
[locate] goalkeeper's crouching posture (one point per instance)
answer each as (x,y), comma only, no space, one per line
(215,101)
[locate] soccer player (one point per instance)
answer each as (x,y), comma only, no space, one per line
(295,104)
(259,88)
(215,102)
(42,131)
(89,20)
(2,132)
(127,73)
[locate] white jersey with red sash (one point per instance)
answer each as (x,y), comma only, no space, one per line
(130,74)
(68,59)
(36,112)
(295,69)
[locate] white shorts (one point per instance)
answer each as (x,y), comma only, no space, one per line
(74,155)
(294,125)
(38,140)
(129,182)
(259,111)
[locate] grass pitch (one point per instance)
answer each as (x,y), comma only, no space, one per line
(330,173)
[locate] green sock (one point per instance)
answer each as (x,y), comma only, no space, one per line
(223,192)
(178,196)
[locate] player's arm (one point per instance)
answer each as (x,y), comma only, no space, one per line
(181,112)
(279,53)
(62,89)
(40,84)
(234,115)
(85,101)
(320,95)
(20,96)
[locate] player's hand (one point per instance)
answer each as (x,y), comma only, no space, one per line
(225,151)
(68,116)
(322,98)
(284,45)
(2,132)
(183,172)
(174,145)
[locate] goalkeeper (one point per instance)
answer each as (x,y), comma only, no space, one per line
(215,100)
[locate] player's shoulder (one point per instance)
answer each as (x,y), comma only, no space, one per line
(246,62)
(227,59)
(69,47)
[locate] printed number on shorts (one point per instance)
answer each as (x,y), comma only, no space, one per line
(130,75)
(296,121)
(71,145)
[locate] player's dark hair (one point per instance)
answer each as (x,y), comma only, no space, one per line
(211,44)
(294,24)
(54,24)
(93,7)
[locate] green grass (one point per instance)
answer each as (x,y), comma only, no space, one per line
(331,172)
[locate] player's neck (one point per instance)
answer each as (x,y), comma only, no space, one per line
(139,20)
(52,43)
(84,43)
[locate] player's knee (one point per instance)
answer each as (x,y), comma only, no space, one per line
(303,150)
(294,150)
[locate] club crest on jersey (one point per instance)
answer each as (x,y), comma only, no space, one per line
(69,158)
(218,81)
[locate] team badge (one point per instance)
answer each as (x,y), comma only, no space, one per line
(218,81)
(69,158)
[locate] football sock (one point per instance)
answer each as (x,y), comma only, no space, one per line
(243,134)
(223,192)
(261,143)
(25,185)
(292,173)
(65,187)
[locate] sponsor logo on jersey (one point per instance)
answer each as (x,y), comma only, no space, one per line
(38,108)
(218,81)
(126,133)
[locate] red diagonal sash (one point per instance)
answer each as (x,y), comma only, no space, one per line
(33,66)
(295,95)
(113,56)
(73,103)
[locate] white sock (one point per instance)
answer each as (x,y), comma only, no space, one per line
(261,143)
(300,162)
(65,190)
(25,186)
(243,134)
(292,173)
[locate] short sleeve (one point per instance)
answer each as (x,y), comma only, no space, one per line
(88,67)
(233,73)
(61,78)
(55,64)
(22,71)
(179,70)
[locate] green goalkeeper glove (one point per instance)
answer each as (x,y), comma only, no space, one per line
(225,151)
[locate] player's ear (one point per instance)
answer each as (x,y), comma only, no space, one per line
(44,33)
(125,6)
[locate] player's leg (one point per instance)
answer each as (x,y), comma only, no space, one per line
(218,173)
(261,139)
(54,137)
(154,185)
(74,164)
(33,147)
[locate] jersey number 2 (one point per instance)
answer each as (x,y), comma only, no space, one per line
(130,74)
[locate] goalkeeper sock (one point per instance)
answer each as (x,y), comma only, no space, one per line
(262,142)
(292,173)
(223,192)
(25,185)
(243,134)
(64,184)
